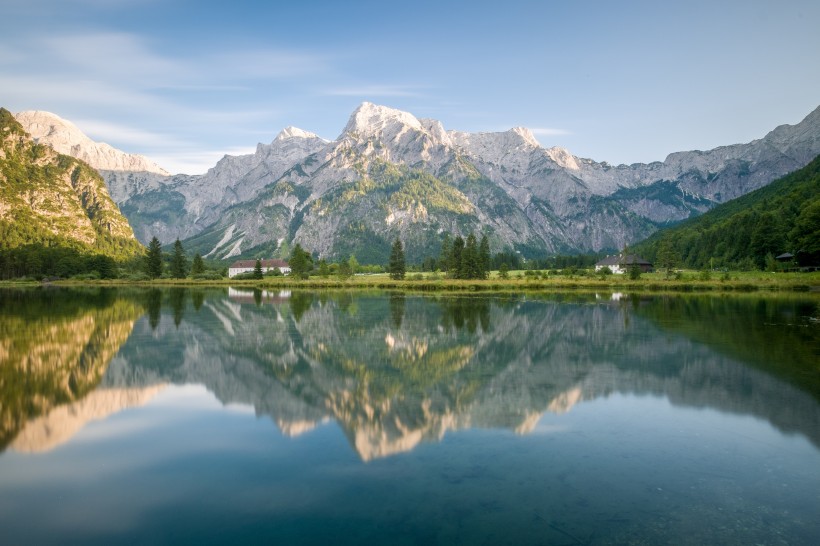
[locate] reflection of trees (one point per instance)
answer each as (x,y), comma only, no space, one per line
(176,298)
(55,347)
(775,335)
(397,309)
(299,303)
(153,302)
(466,312)
(197,299)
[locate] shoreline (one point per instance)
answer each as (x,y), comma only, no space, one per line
(808,283)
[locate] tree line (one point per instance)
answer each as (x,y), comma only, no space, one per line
(750,231)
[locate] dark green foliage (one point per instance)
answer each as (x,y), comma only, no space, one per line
(454,261)
(198,266)
(634,272)
(396,267)
(503,271)
(153,260)
(257,269)
(179,262)
(667,257)
(781,217)
(484,257)
(38,261)
(301,262)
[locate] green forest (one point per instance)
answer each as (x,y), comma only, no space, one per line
(750,231)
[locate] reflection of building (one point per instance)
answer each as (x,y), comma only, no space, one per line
(622,262)
(247,266)
(258,296)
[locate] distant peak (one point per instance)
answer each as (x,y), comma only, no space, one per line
(527,135)
(371,119)
(67,138)
(294,132)
(563,157)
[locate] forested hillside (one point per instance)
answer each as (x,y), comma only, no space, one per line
(52,207)
(748,232)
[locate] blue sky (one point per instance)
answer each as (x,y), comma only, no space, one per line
(186,82)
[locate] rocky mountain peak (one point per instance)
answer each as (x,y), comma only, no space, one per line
(526,135)
(294,132)
(66,138)
(563,157)
(373,120)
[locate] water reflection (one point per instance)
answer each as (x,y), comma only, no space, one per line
(398,370)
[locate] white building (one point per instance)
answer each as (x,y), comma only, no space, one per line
(247,266)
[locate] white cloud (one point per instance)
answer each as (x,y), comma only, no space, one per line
(548,131)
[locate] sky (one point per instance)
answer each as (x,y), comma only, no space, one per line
(188,81)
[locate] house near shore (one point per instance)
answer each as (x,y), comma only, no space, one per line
(247,266)
(622,262)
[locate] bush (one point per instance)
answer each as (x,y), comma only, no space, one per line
(207,276)
(93,276)
(137,276)
(705,275)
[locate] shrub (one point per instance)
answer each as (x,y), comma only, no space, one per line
(207,276)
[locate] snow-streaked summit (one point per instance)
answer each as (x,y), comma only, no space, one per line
(66,138)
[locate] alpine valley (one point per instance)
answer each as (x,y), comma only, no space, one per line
(389,175)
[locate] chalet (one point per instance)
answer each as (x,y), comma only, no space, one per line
(247,266)
(622,262)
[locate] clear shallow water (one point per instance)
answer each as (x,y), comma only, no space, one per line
(159,417)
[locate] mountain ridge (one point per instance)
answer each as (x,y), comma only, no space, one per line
(527,198)
(66,138)
(56,200)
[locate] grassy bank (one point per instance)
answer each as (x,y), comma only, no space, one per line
(517,281)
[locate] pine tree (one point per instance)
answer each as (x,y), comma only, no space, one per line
(179,262)
(198,266)
(257,269)
(153,260)
(446,252)
(396,266)
(301,262)
(469,259)
(484,257)
(454,263)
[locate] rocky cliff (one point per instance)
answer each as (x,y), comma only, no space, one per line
(66,138)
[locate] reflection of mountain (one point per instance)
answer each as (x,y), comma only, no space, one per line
(54,349)
(394,373)
(61,423)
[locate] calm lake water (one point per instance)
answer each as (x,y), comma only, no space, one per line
(222,416)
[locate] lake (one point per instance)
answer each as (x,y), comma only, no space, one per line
(212,416)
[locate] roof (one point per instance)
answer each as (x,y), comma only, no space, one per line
(242,264)
(629,259)
(785,256)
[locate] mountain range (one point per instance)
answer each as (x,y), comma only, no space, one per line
(389,174)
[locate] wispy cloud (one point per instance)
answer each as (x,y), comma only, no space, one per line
(376,90)
(548,131)
(102,131)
